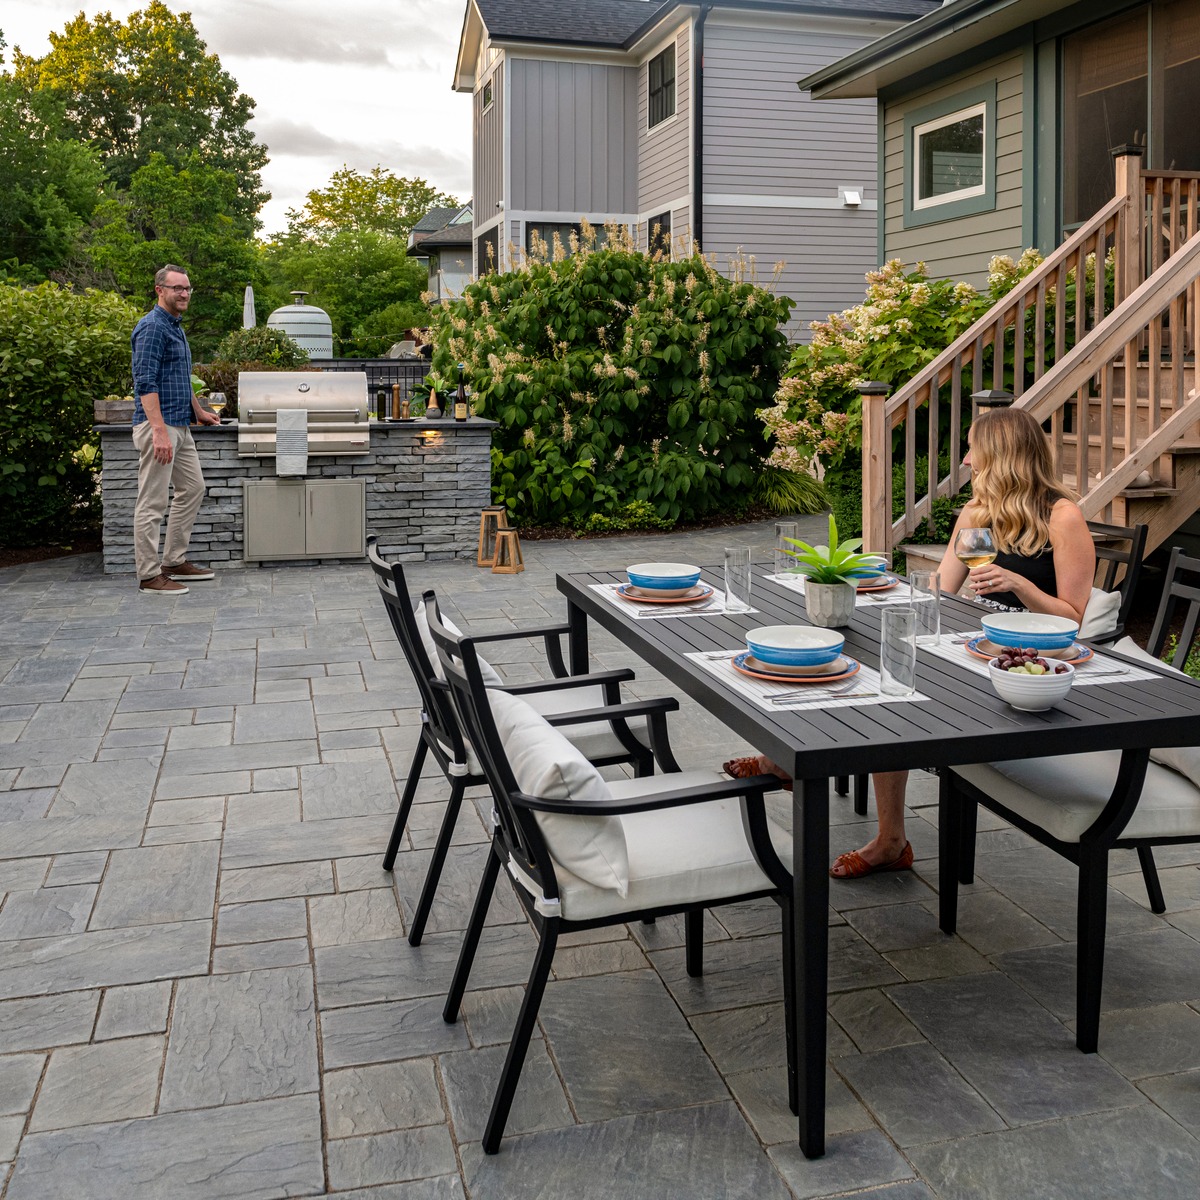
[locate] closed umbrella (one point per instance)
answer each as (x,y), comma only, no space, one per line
(248,321)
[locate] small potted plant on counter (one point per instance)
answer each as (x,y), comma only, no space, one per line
(831,574)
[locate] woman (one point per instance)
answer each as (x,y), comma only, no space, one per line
(1045,564)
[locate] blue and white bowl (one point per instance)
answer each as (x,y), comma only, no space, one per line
(1039,631)
(795,645)
(663,576)
(871,570)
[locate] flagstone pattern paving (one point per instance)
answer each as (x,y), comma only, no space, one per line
(206,991)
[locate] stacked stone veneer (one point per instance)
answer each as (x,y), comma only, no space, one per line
(425,484)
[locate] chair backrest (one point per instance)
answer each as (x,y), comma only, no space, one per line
(1181,590)
(435,696)
(1119,553)
(516,828)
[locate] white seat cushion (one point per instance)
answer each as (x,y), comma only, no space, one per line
(1100,616)
(596,738)
(676,855)
(489,673)
(547,766)
(1065,794)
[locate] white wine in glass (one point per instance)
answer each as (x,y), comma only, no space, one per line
(975,547)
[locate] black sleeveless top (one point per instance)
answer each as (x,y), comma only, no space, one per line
(1037,568)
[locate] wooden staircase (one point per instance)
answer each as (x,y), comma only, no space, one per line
(1120,367)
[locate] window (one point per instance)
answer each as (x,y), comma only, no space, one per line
(948,154)
(540,235)
(487,252)
(658,235)
(487,96)
(950,158)
(661,70)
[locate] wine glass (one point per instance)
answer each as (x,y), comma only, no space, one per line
(216,401)
(975,547)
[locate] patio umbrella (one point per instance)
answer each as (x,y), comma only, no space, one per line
(248,321)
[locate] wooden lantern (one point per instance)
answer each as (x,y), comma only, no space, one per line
(491,521)
(509,560)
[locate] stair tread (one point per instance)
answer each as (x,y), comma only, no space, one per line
(1182,446)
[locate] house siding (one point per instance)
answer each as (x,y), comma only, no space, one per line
(961,248)
(664,153)
(577,150)
(489,146)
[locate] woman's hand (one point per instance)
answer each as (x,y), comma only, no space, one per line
(991,579)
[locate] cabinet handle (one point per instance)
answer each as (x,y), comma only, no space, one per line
(310,503)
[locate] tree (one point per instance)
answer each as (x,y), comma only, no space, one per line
(379,201)
(148,87)
(49,182)
(179,215)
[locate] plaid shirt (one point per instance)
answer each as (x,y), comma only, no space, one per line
(162,363)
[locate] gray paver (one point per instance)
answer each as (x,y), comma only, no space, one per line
(158,884)
(390,1157)
(363,916)
(41,1022)
(375,1099)
(46,912)
(347,789)
(238,1037)
(261,921)
(77,868)
(137,1009)
(90,1085)
(19,1075)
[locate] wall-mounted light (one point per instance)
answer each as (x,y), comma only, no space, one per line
(852,197)
(430,435)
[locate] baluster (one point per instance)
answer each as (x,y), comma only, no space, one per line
(1018,386)
(1131,395)
(910,457)
(1080,293)
(977,364)
(1156,224)
(934,472)
(1176,216)
(1099,282)
(1154,378)
(956,426)
(1060,310)
(1039,332)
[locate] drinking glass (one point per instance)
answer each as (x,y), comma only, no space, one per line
(975,547)
(925,592)
(898,652)
(783,560)
(737,579)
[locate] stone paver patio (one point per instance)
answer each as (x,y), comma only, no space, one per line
(205,989)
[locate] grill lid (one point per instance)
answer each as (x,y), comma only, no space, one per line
(335,404)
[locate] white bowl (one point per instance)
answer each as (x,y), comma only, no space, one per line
(1040,631)
(795,645)
(1032,693)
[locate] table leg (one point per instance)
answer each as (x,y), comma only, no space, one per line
(810,894)
(577,639)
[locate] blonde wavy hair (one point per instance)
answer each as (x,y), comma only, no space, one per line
(1012,481)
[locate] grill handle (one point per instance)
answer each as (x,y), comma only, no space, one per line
(269,414)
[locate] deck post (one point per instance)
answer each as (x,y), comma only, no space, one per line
(876,469)
(1129,242)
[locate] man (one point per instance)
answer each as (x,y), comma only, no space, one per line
(163,408)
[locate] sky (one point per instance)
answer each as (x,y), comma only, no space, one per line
(355,82)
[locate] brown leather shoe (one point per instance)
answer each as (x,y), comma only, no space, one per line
(162,586)
(187,570)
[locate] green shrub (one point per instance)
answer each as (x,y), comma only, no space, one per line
(59,353)
(637,514)
(617,377)
(787,492)
(262,344)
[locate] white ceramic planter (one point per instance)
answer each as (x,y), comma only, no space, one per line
(829,604)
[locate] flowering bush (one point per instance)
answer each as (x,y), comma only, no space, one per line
(616,377)
(906,321)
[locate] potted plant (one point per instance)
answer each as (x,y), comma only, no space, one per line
(830,576)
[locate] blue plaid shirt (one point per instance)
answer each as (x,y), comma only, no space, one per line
(162,363)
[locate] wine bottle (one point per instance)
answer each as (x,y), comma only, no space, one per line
(460,400)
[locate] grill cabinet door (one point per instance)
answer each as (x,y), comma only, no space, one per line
(275,518)
(336,518)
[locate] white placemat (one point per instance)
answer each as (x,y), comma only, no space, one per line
(714,606)
(861,688)
(1100,669)
(900,594)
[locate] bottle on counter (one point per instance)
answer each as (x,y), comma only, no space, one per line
(380,405)
(461,410)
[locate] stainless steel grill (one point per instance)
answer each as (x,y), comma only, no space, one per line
(335,417)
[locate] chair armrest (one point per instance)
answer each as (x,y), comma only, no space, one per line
(620,675)
(724,789)
(528,632)
(615,712)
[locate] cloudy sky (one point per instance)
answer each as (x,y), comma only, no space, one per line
(360,82)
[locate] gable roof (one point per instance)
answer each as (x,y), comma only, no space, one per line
(434,219)
(954,28)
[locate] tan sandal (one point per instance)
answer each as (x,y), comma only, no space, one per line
(755,764)
(854,866)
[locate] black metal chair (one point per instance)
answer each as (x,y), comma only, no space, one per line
(635,734)
(688,847)
(1084,806)
(1119,552)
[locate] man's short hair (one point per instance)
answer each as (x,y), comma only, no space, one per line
(160,276)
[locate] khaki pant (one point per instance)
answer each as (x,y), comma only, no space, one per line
(181,475)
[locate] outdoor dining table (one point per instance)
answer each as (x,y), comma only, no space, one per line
(955,718)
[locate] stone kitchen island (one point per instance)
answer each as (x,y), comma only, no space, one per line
(424,484)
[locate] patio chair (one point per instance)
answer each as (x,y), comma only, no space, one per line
(1084,806)
(637,734)
(583,853)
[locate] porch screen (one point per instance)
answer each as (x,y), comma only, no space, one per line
(1177,31)
(1105,104)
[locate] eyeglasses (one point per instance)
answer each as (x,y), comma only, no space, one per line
(171,287)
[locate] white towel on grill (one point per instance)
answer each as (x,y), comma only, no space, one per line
(291,441)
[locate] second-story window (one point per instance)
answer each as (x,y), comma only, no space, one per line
(487,95)
(662,86)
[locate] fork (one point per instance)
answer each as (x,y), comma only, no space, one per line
(819,692)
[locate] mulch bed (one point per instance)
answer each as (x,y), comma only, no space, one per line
(15,556)
(547,533)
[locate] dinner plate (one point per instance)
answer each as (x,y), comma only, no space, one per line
(834,667)
(702,591)
(747,664)
(1078,654)
(662,593)
(878,583)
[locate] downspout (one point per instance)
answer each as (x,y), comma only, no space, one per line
(698,128)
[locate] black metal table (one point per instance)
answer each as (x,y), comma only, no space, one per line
(963,721)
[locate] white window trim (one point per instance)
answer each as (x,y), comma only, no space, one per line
(487,104)
(671,43)
(919,131)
